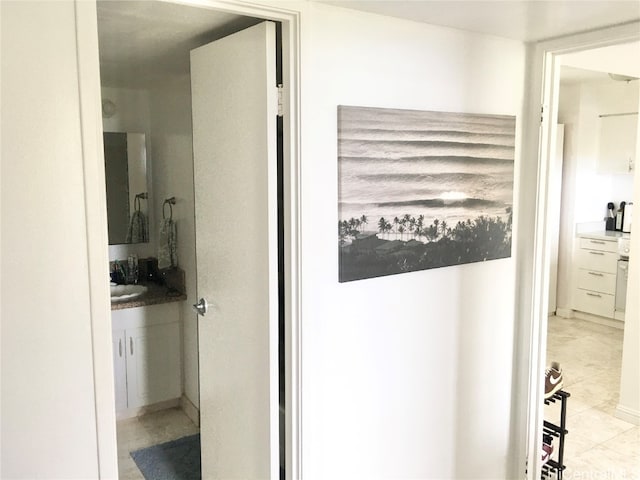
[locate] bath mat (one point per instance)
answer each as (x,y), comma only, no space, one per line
(175,460)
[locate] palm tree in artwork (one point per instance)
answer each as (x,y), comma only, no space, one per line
(382,225)
(420,226)
(396,222)
(436,229)
(363,221)
(401,230)
(443,228)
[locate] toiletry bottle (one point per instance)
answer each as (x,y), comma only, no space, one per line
(132,273)
(620,216)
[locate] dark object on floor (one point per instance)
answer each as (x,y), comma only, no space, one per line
(175,460)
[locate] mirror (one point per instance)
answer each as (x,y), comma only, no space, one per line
(125,158)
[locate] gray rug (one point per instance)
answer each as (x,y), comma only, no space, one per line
(175,460)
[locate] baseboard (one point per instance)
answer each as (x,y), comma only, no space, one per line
(137,412)
(564,312)
(627,414)
(609,322)
(190,410)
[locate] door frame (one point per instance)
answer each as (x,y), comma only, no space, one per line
(541,113)
(98,258)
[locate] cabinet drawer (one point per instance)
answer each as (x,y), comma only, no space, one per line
(595,303)
(598,260)
(597,281)
(600,245)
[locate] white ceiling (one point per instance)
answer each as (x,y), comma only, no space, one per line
(143,42)
(524,20)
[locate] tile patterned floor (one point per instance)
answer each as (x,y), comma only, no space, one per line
(151,429)
(599,446)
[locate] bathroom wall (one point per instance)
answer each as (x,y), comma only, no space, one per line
(171,142)
(406,376)
(585,191)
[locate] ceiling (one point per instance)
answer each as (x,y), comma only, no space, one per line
(143,42)
(524,20)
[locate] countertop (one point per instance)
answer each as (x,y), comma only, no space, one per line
(156,294)
(604,235)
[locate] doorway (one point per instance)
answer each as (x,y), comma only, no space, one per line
(157,85)
(551,55)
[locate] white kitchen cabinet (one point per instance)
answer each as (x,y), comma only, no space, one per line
(597,261)
(146,349)
(617,149)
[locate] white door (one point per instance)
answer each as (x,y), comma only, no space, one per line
(234,107)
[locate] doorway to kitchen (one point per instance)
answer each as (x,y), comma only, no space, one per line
(593,167)
(589,345)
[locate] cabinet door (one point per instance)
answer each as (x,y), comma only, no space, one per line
(617,143)
(153,364)
(119,369)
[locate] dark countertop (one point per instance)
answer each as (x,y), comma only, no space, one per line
(155,295)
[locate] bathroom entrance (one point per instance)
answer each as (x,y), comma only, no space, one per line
(185,76)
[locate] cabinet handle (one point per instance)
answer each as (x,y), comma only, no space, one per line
(599,242)
(596,253)
(596,274)
(131,345)
(120,347)
(594,294)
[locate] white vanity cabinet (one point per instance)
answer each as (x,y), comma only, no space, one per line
(597,261)
(146,349)
(617,150)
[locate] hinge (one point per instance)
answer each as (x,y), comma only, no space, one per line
(280,101)
(541,113)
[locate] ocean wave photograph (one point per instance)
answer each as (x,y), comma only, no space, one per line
(422,189)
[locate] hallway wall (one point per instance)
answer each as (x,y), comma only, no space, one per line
(405,376)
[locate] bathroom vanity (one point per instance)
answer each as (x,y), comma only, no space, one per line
(146,336)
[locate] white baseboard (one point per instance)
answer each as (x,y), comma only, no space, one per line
(137,412)
(190,410)
(609,322)
(564,312)
(628,414)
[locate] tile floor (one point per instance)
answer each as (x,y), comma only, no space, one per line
(598,446)
(151,429)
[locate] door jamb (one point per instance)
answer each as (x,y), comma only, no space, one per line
(544,58)
(93,161)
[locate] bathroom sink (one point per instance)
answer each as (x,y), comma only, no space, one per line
(126,292)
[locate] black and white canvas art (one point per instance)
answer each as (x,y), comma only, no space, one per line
(420,189)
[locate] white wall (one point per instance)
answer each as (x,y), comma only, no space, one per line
(48,402)
(399,373)
(171,142)
(407,376)
(585,191)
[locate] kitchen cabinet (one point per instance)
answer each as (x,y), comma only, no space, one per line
(597,262)
(617,147)
(146,349)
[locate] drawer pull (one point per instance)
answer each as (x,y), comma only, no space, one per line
(594,294)
(599,242)
(596,274)
(596,253)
